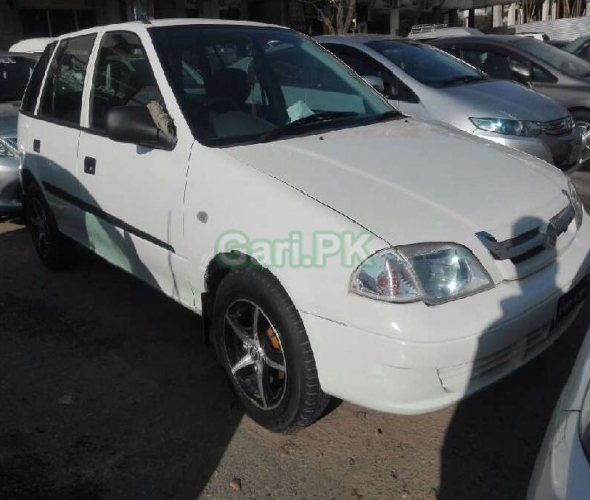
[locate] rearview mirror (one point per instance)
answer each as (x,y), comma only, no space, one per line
(135,125)
(520,72)
(375,81)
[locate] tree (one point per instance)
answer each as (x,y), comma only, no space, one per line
(336,15)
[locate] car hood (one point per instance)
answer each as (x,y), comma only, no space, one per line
(408,181)
(504,99)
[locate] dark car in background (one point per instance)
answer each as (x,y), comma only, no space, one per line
(549,70)
(579,47)
(15,71)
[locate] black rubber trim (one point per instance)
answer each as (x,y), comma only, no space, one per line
(101,214)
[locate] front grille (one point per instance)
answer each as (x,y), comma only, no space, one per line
(531,243)
(562,126)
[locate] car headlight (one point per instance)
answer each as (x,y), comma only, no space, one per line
(576,202)
(507,127)
(433,273)
(8,148)
(585,424)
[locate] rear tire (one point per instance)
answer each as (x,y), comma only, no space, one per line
(261,342)
(55,250)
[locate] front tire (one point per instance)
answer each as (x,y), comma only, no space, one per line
(54,249)
(261,343)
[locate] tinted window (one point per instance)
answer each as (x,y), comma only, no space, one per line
(32,93)
(425,63)
(564,61)
(365,65)
(495,64)
(15,72)
(250,81)
(123,77)
(538,74)
(62,95)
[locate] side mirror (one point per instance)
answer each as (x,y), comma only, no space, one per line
(520,72)
(375,81)
(135,125)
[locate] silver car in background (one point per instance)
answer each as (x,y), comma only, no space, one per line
(430,84)
(15,71)
(562,470)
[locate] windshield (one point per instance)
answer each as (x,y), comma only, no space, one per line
(426,64)
(571,65)
(240,84)
(15,72)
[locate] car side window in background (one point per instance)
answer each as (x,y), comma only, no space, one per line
(364,65)
(32,92)
(538,74)
(495,64)
(64,85)
(122,77)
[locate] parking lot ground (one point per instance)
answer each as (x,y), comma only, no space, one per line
(107,392)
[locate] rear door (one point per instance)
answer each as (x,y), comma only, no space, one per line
(51,138)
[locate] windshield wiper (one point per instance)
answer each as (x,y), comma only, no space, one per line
(326,117)
(462,79)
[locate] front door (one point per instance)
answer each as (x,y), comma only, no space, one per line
(132,195)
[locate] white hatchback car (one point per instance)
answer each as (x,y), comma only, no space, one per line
(335,246)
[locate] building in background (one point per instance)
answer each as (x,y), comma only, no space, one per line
(42,18)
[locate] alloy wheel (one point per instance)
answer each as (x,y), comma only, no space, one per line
(255,354)
(39,226)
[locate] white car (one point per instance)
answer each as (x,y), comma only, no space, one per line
(562,471)
(31,45)
(335,246)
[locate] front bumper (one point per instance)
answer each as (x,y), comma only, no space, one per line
(10,190)
(425,358)
(562,151)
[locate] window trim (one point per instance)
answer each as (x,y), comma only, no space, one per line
(59,121)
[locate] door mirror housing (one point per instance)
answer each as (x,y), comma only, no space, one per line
(376,82)
(520,72)
(135,125)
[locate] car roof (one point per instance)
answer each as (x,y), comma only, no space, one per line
(362,39)
(27,55)
(499,39)
(137,26)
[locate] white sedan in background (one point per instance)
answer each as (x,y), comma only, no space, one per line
(563,466)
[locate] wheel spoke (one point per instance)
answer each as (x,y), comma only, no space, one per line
(239,331)
(260,377)
(273,364)
(242,363)
(255,317)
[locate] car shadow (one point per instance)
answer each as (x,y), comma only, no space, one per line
(505,441)
(108,390)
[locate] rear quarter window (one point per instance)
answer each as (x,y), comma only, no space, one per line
(32,92)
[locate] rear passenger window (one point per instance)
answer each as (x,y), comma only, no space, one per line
(32,92)
(123,77)
(64,85)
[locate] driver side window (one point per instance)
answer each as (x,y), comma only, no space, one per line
(123,77)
